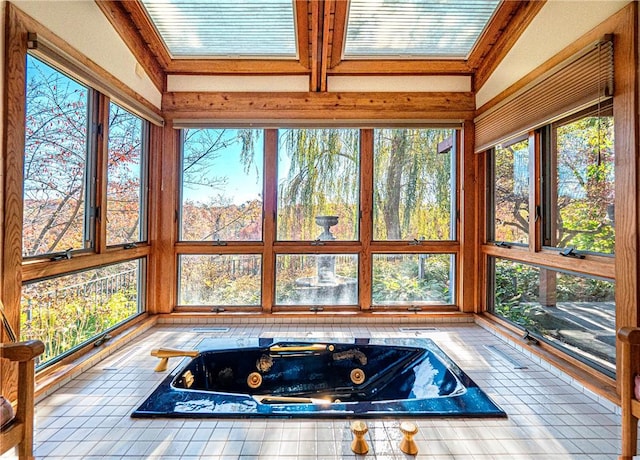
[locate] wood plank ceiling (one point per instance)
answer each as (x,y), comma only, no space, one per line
(321,32)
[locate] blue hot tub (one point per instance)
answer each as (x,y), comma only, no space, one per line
(320,379)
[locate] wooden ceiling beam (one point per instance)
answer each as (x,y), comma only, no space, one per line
(148,31)
(316,43)
(129,31)
(302,32)
(317,106)
(237,67)
(327,39)
(491,33)
(521,18)
(339,31)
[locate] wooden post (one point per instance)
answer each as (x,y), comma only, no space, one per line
(467,224)
(366,219)
(269,218)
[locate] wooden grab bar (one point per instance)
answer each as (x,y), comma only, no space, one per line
(300,348)
(165,353)
(173,353)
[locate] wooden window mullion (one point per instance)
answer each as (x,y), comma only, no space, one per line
(269,218)
(100,155)
(365,274)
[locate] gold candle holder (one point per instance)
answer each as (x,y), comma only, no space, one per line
(359,445)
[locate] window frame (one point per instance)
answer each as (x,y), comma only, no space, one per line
(582,356)
(102,335)
(90,207)
(549,161)
(180,193)
(364,247)
(52,265)
(145,148)
(491,192)
(536,254)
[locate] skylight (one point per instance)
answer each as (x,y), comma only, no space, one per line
(225,29)
(415,28)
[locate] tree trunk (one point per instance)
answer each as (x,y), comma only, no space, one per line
(397,159)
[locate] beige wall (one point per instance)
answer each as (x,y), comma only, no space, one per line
(84,26)
(300,83)
(558,24)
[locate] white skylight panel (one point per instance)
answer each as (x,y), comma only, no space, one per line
(415,28)
(229,28)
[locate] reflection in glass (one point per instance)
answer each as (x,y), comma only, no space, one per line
(316,279)
(69,310)
(511,193)
(582,203)
(575,312)
(55,162)
(124,173)
(228,279)
(413,191)
(318,175)
(402,279)
(222,185)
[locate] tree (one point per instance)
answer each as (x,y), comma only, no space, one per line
(412,185)
(214,160)
(581,195)
(412,182)
(124,171)
(55,161)
(58,166)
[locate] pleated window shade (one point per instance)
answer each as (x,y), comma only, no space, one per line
(581,81)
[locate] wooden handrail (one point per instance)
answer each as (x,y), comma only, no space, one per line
(630,335)
(19,432)
(21,351)
(629,338)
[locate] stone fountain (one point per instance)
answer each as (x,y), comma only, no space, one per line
(326,287)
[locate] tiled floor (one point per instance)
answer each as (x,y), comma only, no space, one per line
(549,417)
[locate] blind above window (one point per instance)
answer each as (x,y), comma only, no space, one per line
(579,82)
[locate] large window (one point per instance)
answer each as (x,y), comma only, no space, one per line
(84,195)
(317,279)
(575,312)
(415,279)
(414,184)
(57,166)
(572,186)
(318,175)
(351,218)
(580,197)
(509,165)
(222,185)
(126,180)
(70,310)
(220,280)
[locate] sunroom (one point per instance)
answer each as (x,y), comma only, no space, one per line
(462,171)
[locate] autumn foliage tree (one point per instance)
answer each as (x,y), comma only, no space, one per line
(60,205)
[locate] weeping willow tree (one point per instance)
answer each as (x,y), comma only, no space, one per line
(318,174)
(412,185)
(318,171)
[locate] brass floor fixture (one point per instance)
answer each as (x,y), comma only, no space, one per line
(408,445)
(359,445)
